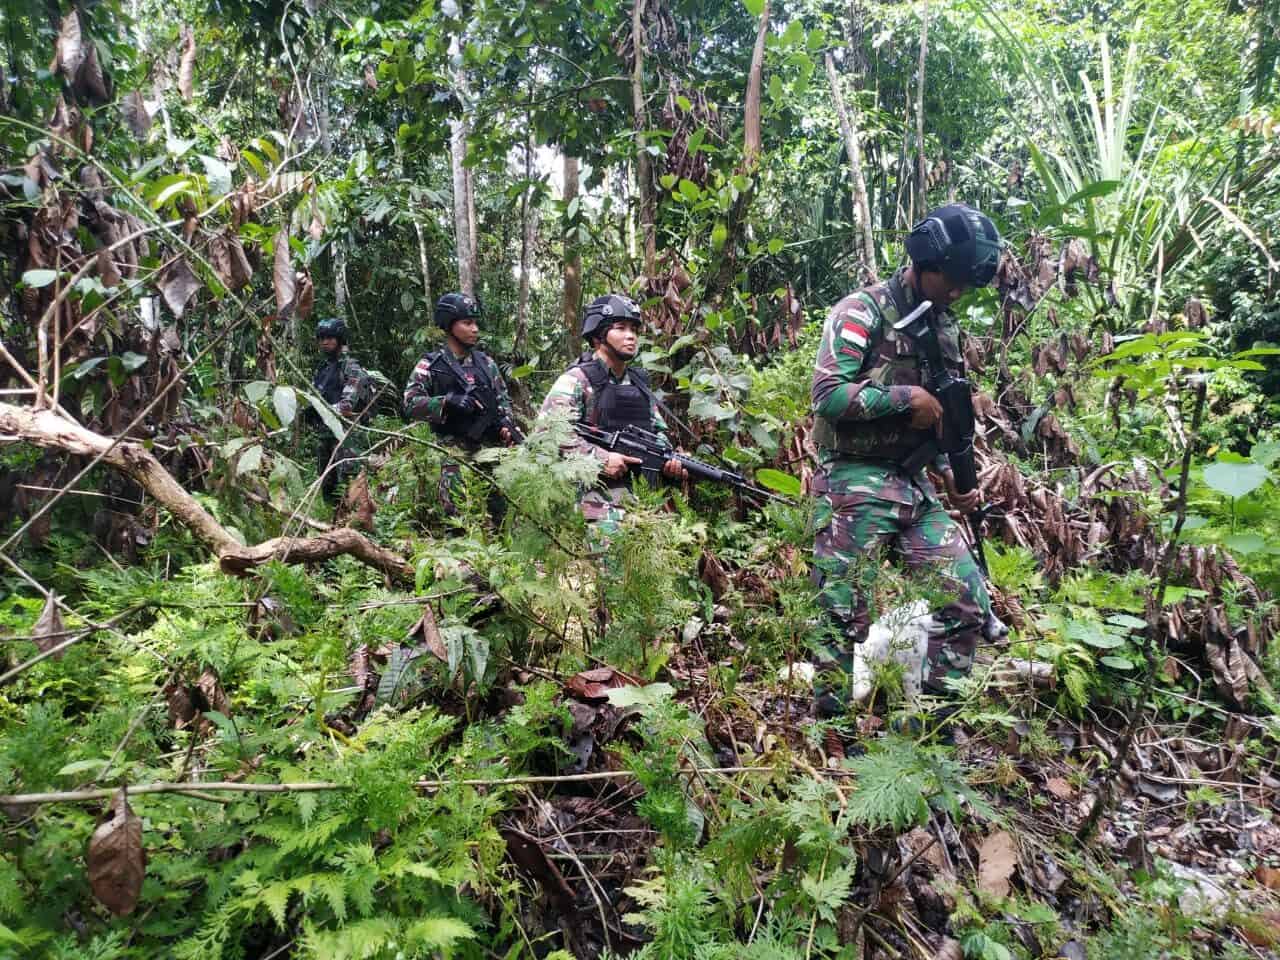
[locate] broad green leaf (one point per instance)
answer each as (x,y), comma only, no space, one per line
(1265,453)
(1235,479)
(326,414)
(39,278)
(256,391)
(775,246)
(684,103)
(776,480)
(218,174)
(132,361)
(668,180)
(1245,542)
(250,460)
(285,401)
(522,371)
(689,190)
(719,234)
(83,766)
(181,185)
(1127,620)
(1116,663)
(754,7)
(793,34)
(646,696)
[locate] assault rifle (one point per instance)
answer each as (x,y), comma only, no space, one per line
(653,452)
(956,399)
(488,416)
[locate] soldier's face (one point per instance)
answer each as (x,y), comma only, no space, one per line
(622,338)
(466,332)
(327,344)
(941,290)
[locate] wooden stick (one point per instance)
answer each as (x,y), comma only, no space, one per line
(78,796)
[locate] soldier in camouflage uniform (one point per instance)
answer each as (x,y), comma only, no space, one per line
(604,390)
(459,390)
(344,385)
(871,413)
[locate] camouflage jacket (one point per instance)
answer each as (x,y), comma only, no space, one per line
(861,391)
(425,392)
(572,395)
(344,385)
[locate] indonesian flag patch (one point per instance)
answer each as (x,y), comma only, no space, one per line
(853,333)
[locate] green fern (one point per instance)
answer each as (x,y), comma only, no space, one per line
(899,779)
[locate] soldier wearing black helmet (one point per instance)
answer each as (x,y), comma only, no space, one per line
(459,390)
(345,386)
(871,413)
(604,389)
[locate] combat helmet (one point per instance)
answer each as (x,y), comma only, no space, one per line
(453,307)
(959,241)
(603,312)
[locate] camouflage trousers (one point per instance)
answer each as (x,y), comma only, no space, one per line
(856,530)
(336,464)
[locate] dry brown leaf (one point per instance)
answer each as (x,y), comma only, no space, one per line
(948,949)
(1060,788)
(69,52)
(1269,877)
(49,631)
(285,280)
(226,254)
(596,684)
(187,68)
(107,271)
(997,859)
(214,695)
(426,634)
(357,504)
(90,82)
(306,296)
(117,861)
(178,285)
(1262,929)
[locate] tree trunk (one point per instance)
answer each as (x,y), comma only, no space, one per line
(644,165)
(528,223)
(861,207)
(751,107)
(923,173)
(572,303)
(461,222)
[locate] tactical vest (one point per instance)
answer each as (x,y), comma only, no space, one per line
(892,359)
(444,380)
(618,405)
(329,380)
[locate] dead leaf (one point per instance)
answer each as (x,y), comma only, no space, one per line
(181,710)
(948,949)
(596,684)
(1262,929)
(997,859)
(1269,877)
(286,281)
(370,78)
(712,572)
(226,254)
(91,83)
(69,53)
(117,861)
(214,695)
(178,285)
(427,631)
(107,271)
(357,505)
(49,631)
(1060,788)
(306,296)
(187,68)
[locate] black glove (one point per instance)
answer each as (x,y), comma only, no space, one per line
(458,403)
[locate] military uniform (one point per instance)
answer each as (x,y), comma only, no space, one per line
(477,375)
(867,503)
(345,386)
(588,392)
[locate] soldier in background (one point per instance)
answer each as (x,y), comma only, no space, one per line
(459,390)
(871,412)
(345,386)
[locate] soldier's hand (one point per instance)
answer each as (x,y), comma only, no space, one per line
(926,411)
(457,403)
(673,471)
(504,434)
(966,503)
(617,464)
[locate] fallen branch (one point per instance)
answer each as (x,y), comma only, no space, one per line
(219,786)
(47,428)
